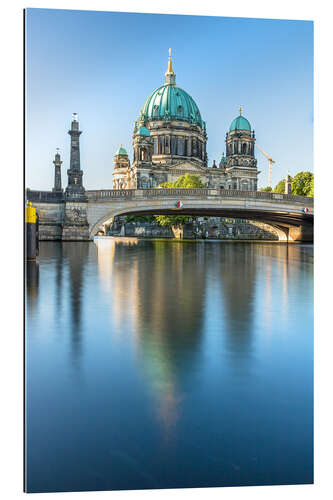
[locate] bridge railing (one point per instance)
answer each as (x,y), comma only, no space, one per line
(125,194)
(102,194)
(44,196)
(106,194)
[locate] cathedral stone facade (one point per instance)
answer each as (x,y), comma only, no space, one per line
(170,139)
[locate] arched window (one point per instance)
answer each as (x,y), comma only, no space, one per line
(244,148)
(155,146)
(161,150)
(180,146)
(144,183)
(173,141)
(155,110)
(144,154)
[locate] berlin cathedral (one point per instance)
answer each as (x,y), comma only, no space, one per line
(170,139)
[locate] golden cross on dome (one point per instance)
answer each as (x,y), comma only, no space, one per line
(240,110)
(170,70)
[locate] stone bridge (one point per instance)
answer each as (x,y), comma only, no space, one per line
(291,216)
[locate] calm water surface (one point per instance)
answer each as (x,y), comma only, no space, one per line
(159,364)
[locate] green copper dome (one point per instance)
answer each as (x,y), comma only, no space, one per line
(121,152)
(170,102)
(240,123)
(144,131)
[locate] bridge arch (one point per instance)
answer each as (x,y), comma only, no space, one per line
(288,225)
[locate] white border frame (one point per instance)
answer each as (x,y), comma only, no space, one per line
(11,438)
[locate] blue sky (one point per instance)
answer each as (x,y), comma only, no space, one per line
(103,65)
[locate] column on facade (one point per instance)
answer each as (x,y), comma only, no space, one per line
(189,147)
(173,145)
(167,145)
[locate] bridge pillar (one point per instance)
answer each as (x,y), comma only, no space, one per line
(298,233)
(76,227)
(282,232)
(302,233)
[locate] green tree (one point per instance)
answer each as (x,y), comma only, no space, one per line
(267,188)
(312,188)
(171,220)
(186,181)
(302,184)
(139,218)
(280,187)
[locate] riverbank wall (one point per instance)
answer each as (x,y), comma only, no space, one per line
(239,230)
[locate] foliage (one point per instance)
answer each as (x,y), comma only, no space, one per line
(186,181)
(280,187)
(139,218)
(302,184)
(311,193)
(267,188)
(172,220)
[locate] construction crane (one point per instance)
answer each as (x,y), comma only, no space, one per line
(270,163)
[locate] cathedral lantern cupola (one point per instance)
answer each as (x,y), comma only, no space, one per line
(121,159)
(121,169)
(240,162)
(143,146)
(170,77)
(240,142)
(223,161)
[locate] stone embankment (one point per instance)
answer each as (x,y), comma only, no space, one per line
(235,229)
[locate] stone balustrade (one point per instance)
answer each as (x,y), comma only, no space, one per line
(106,194)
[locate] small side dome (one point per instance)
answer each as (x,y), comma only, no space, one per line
(223,161)
(121,152)
(144,131)
(240,123)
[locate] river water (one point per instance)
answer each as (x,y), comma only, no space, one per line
(161,364)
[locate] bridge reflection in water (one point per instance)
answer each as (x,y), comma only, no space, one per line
(169,364)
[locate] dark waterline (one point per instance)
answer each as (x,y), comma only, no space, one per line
(160,364)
